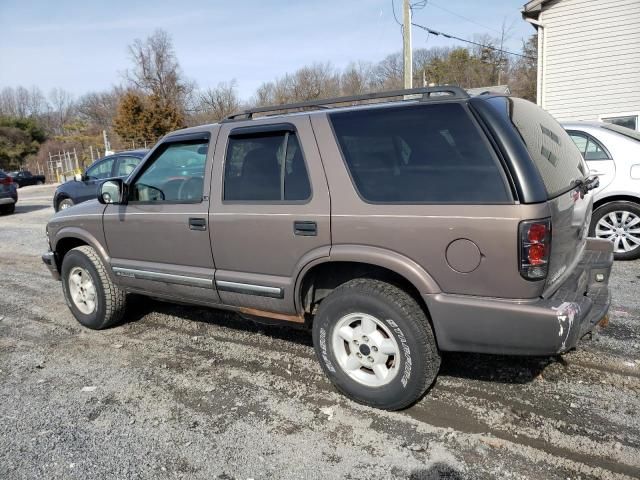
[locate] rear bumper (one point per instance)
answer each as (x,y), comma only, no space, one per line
(528,327)
(7,200)
(49,260)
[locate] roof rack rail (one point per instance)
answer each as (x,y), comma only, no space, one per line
(450,92)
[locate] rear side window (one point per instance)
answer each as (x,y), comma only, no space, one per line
(419,154)
(266,167)
(589,147)
(554,153)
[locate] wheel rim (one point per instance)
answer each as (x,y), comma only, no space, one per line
(365,349)
(622,228)
(82,290)
(65,204)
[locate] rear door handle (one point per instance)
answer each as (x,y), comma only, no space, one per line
(197,224)
(305,229)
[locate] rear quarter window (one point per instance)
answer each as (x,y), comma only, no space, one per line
(551,148)
(419,154)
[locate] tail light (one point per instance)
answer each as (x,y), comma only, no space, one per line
(535,248)
(6,180)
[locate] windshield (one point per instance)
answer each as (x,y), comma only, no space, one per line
(627,132)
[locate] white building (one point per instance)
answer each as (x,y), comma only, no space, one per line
(588,59)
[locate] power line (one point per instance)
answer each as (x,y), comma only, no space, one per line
(463,17)
(435,32)
(393,9)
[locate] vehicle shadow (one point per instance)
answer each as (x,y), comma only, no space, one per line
(140,306)
(494,368)
(29,208)
(437,471)
(473,366)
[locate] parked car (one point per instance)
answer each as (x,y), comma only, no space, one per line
(24,178)
(8,194)
(85,186)
(395,231)
(613,153)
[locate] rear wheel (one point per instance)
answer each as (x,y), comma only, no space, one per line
(375,344)
(39,182)
(92,297)
(65,203)
(618,222)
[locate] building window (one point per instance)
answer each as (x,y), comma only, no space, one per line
(629,121)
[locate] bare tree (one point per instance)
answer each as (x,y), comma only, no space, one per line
(100,108)
(219,102)
(156,70)
(61,110)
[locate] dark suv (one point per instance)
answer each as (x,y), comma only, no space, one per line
(85,186)
(394,230)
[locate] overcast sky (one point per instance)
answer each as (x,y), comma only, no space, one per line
(82,45)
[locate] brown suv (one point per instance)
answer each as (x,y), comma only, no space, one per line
(395,230)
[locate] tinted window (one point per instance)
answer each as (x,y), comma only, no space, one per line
(552,150)
(628,121)
(175,174)
(100,170)
(126,165)
(266,167)
(419,154)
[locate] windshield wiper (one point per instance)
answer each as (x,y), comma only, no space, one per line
(588,184)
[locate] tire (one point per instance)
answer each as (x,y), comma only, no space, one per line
(108,300)
(39,182)
(8,209)
(65,203)
(607,222)
(398,319)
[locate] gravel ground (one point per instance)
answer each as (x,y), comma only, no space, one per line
(181,392)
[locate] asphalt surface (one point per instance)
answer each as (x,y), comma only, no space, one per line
(181,392)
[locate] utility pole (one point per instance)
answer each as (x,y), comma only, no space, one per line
(406,45)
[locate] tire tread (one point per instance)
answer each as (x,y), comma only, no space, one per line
(115,298)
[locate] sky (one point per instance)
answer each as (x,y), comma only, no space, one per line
(81,46)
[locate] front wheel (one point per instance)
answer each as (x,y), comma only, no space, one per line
(92,297)
(65,203)
(618,222)
(375,344)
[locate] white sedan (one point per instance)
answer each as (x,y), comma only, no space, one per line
(613,153)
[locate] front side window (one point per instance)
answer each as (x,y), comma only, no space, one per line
(100,170)
(419,154)
(175,174)
(265,167)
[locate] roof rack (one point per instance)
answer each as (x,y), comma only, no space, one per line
(449,92)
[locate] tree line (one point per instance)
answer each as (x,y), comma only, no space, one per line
(156,97)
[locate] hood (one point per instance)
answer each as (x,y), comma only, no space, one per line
(88,208)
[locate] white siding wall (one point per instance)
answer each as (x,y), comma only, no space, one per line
(591,58)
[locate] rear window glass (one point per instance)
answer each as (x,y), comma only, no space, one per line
(419,154)
(555,155)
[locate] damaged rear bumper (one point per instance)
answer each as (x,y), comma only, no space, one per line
(528,327)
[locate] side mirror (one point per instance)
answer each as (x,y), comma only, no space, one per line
(78,177)
(111,191)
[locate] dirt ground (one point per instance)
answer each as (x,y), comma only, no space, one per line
(181,392)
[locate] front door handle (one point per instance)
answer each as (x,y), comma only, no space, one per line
(197,224)
(305,229)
